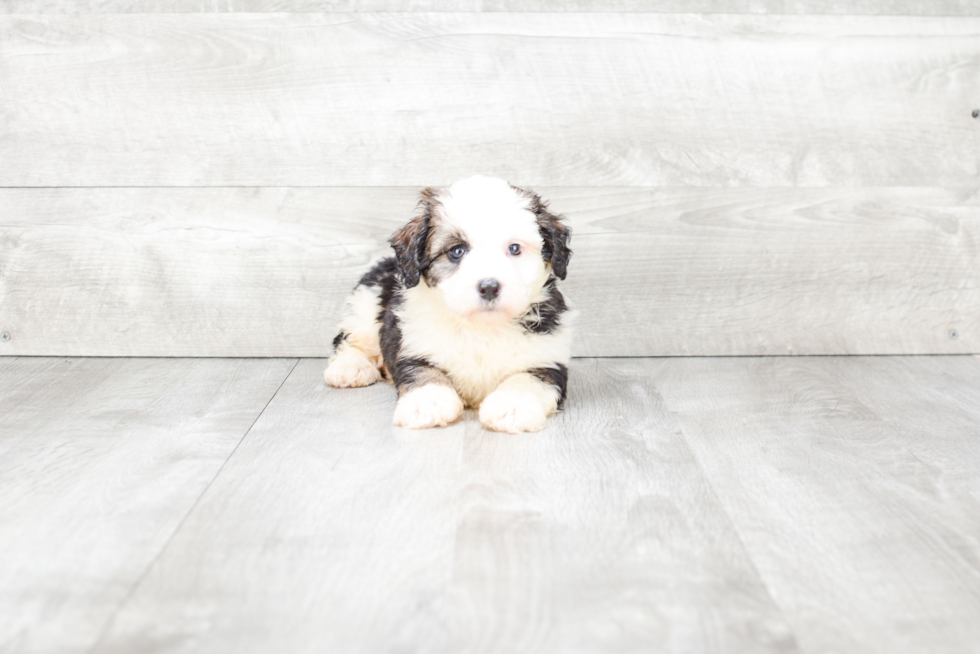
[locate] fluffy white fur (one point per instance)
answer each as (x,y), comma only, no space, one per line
(479,354)
(428,406)
(481,347)
(351,369)
(520,403)
(493,217)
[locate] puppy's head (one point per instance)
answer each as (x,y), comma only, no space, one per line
(485,246)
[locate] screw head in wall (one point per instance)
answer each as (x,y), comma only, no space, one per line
(4,337)
(976,113)
(953,334)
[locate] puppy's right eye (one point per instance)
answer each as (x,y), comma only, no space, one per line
(456,253)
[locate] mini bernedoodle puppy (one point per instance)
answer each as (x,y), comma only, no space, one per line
(467,312)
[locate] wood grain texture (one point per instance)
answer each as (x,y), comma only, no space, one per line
(852,7)
(852,483)
(538,98)
(100,461)
(264,272)
(330,530)
(784,504)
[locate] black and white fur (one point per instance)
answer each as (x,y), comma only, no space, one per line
(467,312)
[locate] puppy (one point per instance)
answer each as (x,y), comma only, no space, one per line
(467,312)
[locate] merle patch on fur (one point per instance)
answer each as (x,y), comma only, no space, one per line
(555,235)
(390,336)
(382,273)
(416,371)
(338,339)
(545,317)
(557,377)
(404,372)
(411,241)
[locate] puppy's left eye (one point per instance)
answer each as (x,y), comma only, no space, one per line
(456,253)
(514,249)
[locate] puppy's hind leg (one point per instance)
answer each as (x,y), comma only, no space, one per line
(357,351)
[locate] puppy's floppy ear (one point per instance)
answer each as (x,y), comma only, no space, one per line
(555,236)
(411,241)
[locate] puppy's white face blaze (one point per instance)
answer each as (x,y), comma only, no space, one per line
(486,251)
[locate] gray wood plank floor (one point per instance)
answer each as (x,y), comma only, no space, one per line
(100,461)
(826,504)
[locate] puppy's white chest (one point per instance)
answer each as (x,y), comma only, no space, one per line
(476,360)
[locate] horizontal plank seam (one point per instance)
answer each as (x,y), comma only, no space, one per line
(648,356)
(609,12)
(785,356)
(139,582)
(753,187)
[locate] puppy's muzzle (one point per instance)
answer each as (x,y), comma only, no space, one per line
(489,289)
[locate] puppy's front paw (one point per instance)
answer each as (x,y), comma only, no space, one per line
(432,405)
(350,369)
(512,412)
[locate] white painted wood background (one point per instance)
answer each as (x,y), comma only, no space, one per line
(852,7)
(213,183)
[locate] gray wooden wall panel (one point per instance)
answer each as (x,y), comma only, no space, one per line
(589,99)
(850,7)
(263,271)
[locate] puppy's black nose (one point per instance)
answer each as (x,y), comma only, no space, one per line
(489,289)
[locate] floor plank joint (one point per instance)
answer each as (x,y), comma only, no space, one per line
(770,504)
